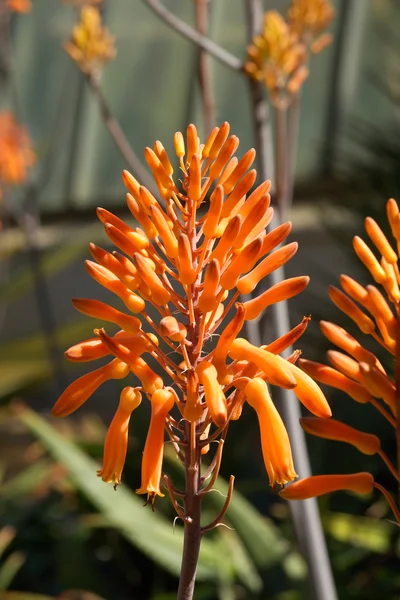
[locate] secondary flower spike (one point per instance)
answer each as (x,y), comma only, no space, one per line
(356,370)
(177,279)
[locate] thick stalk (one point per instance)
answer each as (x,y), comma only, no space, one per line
(192,533)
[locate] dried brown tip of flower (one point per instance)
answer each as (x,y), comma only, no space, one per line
(335,379)
(347,306)
(318,485)
(277,293)
(367,257)
(330,429)
(276,370)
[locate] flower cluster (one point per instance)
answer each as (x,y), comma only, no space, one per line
(189,266)
(19,6)
(355,369)
(91,46)
(279,56)
(16,152)
(309,19)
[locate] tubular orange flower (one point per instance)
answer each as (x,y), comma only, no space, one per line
(181,274)
(91,46)
(317,485)
(162,402)
(274,438)
(360,374)
(116,443)
(16,151)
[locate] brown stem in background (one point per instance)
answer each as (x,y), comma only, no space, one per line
(223,56)
(122,144)
(281,162)
(203,67)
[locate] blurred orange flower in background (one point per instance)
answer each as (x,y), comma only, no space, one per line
(16,151)
(19,6)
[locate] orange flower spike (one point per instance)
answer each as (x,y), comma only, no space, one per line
(108,280)
(335,379)
(380,240)
(318,485)
(159,294)
(345,365)
(141,216)
(211,282)
(228,149)
(187,274)
(356,291)
(341,338)
(381,310)
(347,306)
(167,236)
(274,438)
(277,293)
(150,381)
(162,401)
(237,196)
(219,140)
(172,329)
(368,259)
(104,312)
(215,399)
(208,145)
(193,409)
(194,190)
(278,258)
(244,261)
(116,442)
(288,339)
(239,171)
(224,246)
(82,388)
(210,226)
(276,370)
(380,386)
(308,392)
(330,429)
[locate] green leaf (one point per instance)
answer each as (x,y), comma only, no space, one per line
(150,532)
(10,568)
(362,532)
(243,564)
(21,484)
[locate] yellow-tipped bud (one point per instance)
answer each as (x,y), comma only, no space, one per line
(213,393)
(274,438)
(318,485)
(179,144)
(162,401)
(277,293)
(330,429)
(368,259)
